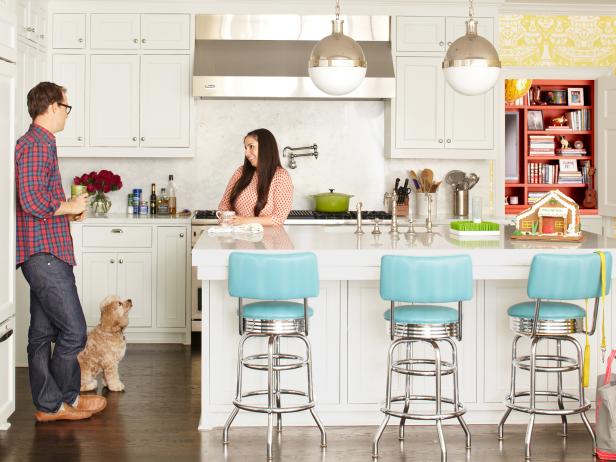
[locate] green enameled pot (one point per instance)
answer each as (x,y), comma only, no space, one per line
(331,202)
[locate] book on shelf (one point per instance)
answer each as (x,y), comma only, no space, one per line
(579,119)
(572,152)
(541,145)
(559,127)
(540,173)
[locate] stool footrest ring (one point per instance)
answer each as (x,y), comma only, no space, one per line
(543,411)
(247,361)
(398,366)
(461,410)
(523,362)
(274,410)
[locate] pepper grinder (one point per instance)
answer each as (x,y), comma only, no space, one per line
(393,230)
(358,229)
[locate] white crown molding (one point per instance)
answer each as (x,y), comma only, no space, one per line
(564,8)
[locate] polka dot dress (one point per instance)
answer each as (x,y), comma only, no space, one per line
(279,199)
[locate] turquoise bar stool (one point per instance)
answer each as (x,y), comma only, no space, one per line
(424,281)
(554,280)
(274,279)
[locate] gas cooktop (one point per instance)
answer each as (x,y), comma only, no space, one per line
(295,216)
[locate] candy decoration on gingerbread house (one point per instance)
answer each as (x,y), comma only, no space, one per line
(553,217)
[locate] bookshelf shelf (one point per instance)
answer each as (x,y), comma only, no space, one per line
(545,162)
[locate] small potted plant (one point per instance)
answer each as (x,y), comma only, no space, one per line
(98,184)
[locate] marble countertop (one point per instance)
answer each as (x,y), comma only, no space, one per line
(123,218)
(340,250)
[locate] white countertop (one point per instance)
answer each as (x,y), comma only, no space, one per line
(123,218)
(345,255)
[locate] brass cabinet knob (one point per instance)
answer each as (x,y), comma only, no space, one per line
(142,40)
(441,43)
(79,138)
(143,138)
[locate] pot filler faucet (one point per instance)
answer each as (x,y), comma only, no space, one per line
(303,152)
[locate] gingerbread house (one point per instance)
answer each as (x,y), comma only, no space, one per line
(555,214)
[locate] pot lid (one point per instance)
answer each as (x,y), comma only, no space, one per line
(331,193)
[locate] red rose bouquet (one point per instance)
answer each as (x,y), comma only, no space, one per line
(98,184)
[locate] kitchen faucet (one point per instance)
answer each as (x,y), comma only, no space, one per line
(393,230)
(429,217)
(293,154)
(359,230)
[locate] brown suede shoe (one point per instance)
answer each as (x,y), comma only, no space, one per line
(91,403)
(66,413)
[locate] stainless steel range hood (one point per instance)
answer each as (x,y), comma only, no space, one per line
(266,56)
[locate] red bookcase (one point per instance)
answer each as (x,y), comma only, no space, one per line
(537,164)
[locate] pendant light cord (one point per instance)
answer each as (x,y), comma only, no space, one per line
(337,10)
(471,9)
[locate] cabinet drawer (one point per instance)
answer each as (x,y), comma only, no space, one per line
(117,236)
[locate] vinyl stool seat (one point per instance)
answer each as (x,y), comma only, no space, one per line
(423,314)
(548,311)
(275,310)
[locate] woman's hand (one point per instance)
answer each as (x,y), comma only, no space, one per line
(243,220)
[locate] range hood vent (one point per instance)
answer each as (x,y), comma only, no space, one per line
(266,56)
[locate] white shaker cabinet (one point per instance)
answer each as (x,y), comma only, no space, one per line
(8,34)
(128,275)
(427,118)
(165,95)
(69,30)
(32,22)
(31,69)
(114,31)
(114,100)
(171,276)
(165,31)
(69,71)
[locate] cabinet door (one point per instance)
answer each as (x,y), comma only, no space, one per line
(24,28)
(165,31)
(38,18)
(69,30)
(114,31)
(7,377)
(26,79)
(419,103)
(171,276)
(135,282)
(99,281)
(114,100)
(165,114)
(606,145)
(69,71)
(8,37)
(469,120)
(416,33)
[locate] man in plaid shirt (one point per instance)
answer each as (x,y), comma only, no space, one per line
(45,255)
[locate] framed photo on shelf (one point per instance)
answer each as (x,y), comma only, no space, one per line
(555,97)
(575,96)
(535,120)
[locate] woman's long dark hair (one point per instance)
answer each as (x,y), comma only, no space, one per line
(267,163)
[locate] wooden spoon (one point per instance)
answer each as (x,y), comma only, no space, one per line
(414,180)
(426,179)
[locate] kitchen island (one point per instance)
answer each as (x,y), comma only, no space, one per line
(348,332)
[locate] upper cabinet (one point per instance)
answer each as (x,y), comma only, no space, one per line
(135,31)
(32,22)
(427,118)
(8,34)
(69,30)
(123,94)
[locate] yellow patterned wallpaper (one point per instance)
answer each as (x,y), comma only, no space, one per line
(583,41)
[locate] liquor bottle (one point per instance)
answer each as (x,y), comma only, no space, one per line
(171,190)
(162,205)
(153,200)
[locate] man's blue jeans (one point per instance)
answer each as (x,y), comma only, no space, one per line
(55,316)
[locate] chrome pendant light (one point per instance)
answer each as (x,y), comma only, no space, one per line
(471,65)
(337,64)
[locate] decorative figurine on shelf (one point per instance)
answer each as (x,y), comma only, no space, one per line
(561,121)
(564,143)
(578,144)
(554,217)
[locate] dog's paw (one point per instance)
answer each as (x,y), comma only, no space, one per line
(89,386)
(116,386)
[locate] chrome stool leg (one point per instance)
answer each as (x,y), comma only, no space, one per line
(561,405)
(407,390)
(277,385)
(514,354)
(238,394)
(316,418)
(438,380)
(456,392)
(379,432)
(533,385)
(582,401)
(270,393)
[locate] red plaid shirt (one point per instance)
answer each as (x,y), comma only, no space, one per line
(39,193)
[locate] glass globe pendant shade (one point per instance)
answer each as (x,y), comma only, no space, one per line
(471,65)
(337,64)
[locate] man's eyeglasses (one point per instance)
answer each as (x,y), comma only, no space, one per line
(68,108)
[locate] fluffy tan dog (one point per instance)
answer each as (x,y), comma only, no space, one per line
(106,346)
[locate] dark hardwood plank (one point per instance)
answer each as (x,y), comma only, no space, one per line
(156,419)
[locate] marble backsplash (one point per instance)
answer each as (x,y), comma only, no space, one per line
(349,135)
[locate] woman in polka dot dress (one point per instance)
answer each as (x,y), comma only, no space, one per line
(260,191)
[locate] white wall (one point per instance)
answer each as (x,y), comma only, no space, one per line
(351,159)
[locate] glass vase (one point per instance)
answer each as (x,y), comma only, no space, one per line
(100,204)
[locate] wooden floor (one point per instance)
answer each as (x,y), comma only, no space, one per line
(156,419)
